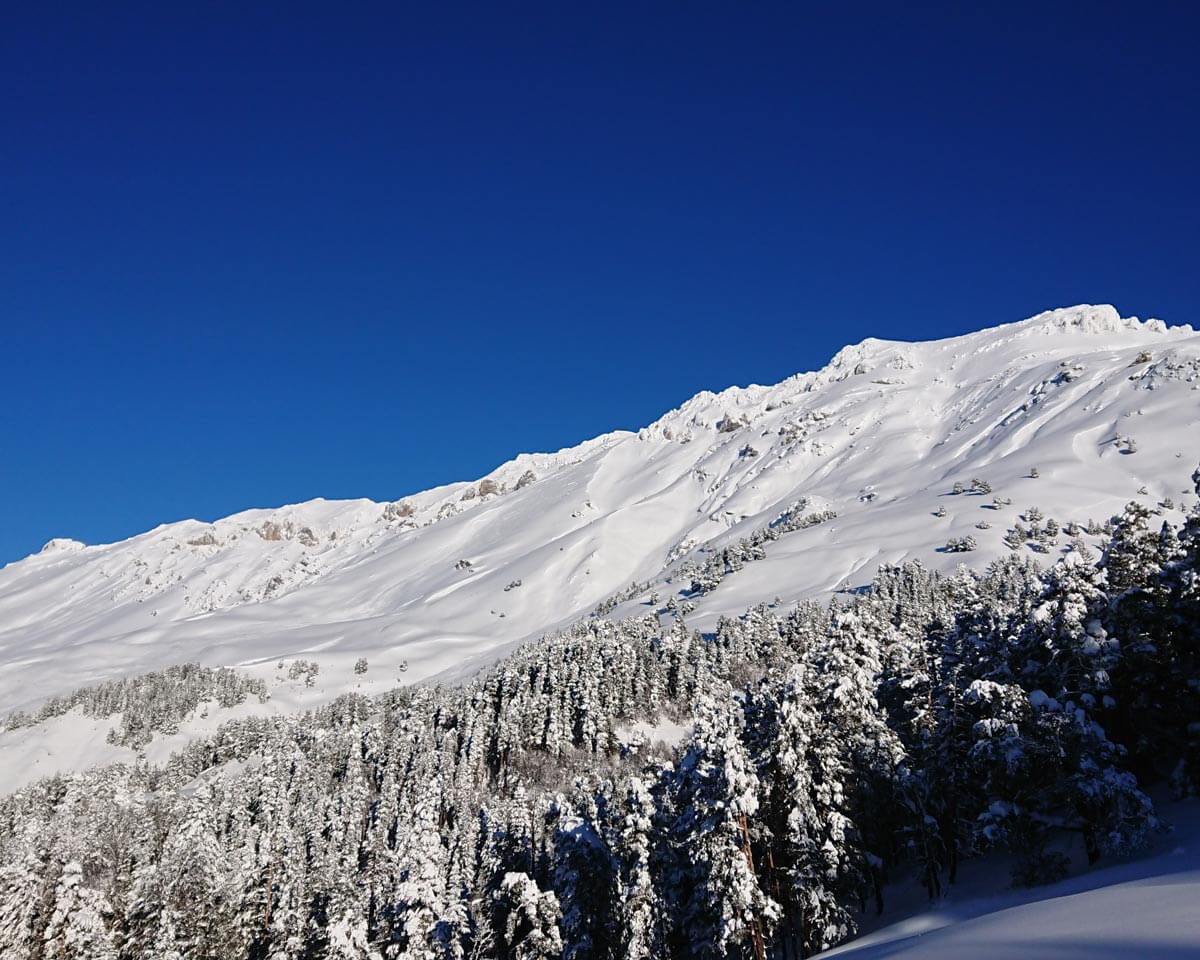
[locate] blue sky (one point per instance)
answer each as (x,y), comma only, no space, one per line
(254,256)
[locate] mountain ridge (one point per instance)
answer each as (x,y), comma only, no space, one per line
(1088,318)
(444,580)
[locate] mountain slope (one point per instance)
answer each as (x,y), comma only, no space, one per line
(446,579)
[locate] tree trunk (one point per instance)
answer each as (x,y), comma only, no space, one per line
(760,950)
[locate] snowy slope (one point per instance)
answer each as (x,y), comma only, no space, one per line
(1142,910)
(879,435)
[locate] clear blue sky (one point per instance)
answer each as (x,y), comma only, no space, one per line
(253,255)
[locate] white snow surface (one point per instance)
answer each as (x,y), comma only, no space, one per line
(880,435)
(1146,909)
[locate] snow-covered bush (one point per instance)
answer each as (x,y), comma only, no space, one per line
(304,669)
(399,510)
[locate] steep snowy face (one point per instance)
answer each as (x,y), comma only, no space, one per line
(1107,409)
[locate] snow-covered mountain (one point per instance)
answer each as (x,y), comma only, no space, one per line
(1107,409)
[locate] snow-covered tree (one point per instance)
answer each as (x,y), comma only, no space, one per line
(642,914)
(78,928)
(585,884)
(817,849)
(717,796)
(530,920)
(423,918)
(22,906)
(1071,658)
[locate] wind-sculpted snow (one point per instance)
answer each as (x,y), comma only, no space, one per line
(1104,407)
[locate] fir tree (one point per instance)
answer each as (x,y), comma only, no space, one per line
(717,794)
(78,928)
(530,920)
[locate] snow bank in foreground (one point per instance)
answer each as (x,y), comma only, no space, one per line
(1144,910)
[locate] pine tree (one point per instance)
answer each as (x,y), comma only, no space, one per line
(1157,617)
(814,842)
(192,883)
(530,920)
(348,940)
(642,914)
(424,920)
(1072,662)
(22,913)
(849,665)
(585,885)
(143,933)
(717,795)
(78,928)
(1133,554)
